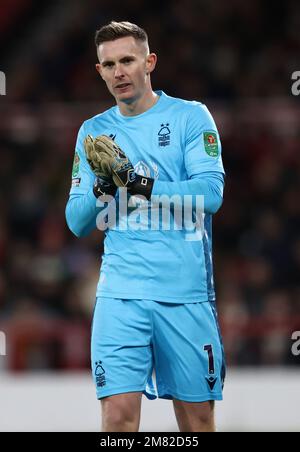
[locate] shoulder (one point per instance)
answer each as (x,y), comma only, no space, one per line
(189,107)
(100,118)
(192,112)
(93,126)
(195,114)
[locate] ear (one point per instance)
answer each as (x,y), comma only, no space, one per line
(151,60)
(99,68)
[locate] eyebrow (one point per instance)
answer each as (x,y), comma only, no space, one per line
(122,60)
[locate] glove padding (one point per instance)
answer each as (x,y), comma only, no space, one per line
(99,165)
(108,161)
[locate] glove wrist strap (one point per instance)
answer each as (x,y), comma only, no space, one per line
(141,186)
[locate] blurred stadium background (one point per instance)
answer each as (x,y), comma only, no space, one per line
(236,57)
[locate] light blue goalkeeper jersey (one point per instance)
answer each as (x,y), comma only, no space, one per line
(176,142)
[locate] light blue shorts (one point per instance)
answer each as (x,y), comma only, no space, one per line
(161,349)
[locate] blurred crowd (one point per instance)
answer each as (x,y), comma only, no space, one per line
(213,49)
(229,55)
(257,244)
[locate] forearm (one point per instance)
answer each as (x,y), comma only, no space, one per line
(209,185)
(81,213)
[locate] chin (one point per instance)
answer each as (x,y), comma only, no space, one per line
(127,98)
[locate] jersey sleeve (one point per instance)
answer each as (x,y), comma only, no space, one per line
(82,175)
(202,145)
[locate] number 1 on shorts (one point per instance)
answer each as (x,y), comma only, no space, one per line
(211,365)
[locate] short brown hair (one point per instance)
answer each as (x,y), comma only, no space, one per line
(115,30)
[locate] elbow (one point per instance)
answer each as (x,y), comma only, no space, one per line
(73,225)
(214,206)
(75,229)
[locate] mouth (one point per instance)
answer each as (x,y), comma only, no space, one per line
(122,86)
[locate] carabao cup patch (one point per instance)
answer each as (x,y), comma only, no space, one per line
(211,144)
(75,169)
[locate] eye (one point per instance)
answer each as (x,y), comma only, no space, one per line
(108,65)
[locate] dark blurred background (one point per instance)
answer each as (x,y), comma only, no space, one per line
(237,58)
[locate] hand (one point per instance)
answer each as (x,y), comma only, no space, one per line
(104,187)
(103,184)
(99,165)
(107,159)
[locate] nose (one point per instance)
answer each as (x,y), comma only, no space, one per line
(118,71)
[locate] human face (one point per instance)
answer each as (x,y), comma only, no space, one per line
(125,65)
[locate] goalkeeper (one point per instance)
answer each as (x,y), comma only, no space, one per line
(155,302)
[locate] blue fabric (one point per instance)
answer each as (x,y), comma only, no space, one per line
(160,349)
(142,260)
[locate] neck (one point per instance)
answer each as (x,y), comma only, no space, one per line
(139,105)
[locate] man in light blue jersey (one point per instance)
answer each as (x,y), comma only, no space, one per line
(155,328)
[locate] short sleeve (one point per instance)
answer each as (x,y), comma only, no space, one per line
(82,176)
(202,146)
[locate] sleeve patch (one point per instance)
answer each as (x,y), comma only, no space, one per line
(211,144)
(75,169)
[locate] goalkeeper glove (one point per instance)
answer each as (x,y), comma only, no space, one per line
(103,184)
(104,187)
(107,160)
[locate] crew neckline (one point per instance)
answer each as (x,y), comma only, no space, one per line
(161,95)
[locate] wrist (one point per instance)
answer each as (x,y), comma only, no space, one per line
(102,187)
(141,186)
